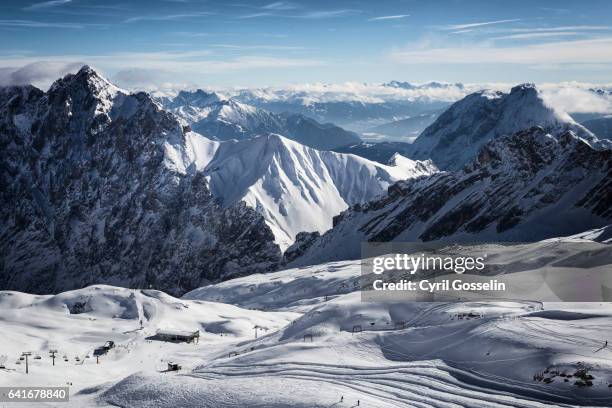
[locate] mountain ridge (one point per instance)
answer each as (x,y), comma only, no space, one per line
(295,188)
(522,187)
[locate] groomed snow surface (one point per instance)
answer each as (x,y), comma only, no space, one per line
(317,345)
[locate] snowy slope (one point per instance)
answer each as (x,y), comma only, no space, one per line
(456,136)
(76,322)
(431,360)
(523,187)
(294,187)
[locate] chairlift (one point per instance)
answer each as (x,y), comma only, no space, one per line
(37,357)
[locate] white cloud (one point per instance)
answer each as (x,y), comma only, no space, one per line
(395,17)
(574,97)
(280,5)
(529,36)
(308,15)
(326,14)
(590,51)
(167,17)
(37,73)
(267,47)
(180,64)
(366,93)
(47,4)
(562,28)
(41,24)
(486,23)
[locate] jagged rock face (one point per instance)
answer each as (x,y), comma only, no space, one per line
(523,187)
(455,138)
(303,241)
(87,197)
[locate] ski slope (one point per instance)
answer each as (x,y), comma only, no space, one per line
(318,345)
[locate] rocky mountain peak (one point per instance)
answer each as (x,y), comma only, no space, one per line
(86,79)
(89,166)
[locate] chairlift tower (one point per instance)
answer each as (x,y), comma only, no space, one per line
(52,355)
(26,354)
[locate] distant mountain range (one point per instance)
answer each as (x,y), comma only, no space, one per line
(403,130)
(219,118)
(359,109)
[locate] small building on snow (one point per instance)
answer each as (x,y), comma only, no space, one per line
(177,336)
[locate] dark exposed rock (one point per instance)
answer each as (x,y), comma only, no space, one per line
(303,241)
(86,197)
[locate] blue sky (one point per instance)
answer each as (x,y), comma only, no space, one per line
(259,43)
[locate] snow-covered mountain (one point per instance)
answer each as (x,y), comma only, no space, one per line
(457,135)
(522,187)
(93,177)
(294,187)
(88,194)
(197,99)
(222,118)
